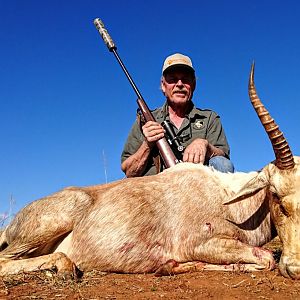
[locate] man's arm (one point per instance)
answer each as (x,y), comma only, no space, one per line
(217,138)
(136,163)
(201,150)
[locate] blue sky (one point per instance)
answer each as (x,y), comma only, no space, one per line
(66,106)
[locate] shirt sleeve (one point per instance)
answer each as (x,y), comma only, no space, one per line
(134,140)
(216,135)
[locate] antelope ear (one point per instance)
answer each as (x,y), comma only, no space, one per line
(249,189)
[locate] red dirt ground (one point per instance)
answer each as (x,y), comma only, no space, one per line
(200,285)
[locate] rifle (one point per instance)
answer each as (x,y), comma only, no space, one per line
(164,148)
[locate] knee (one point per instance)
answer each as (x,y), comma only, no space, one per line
(221,164)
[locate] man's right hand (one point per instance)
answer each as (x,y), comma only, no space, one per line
(135,164)
(153,132)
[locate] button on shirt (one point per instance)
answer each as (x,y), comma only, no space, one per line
(198,123)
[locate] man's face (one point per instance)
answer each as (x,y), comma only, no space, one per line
(178,86)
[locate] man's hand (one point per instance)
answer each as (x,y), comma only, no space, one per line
(153,132)
(196,151)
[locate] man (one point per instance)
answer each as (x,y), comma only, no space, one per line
(199,130)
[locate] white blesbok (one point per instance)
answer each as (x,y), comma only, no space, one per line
(189,217)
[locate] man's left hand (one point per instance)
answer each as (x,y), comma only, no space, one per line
(196,151)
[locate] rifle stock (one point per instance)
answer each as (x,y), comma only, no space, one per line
(164,148)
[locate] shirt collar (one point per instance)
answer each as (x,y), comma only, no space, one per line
(163,112)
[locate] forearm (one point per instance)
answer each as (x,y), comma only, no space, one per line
(214,151)
(135,164)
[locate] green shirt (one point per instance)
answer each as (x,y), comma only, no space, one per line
(198,123)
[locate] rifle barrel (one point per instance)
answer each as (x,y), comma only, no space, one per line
(164,148)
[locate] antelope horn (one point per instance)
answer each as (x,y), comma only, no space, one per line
(283,154)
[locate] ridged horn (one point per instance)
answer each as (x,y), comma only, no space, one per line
(283,154)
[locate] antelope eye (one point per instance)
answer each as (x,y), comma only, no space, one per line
(283,210)
(275,197)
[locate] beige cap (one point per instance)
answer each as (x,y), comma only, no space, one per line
(177,59)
